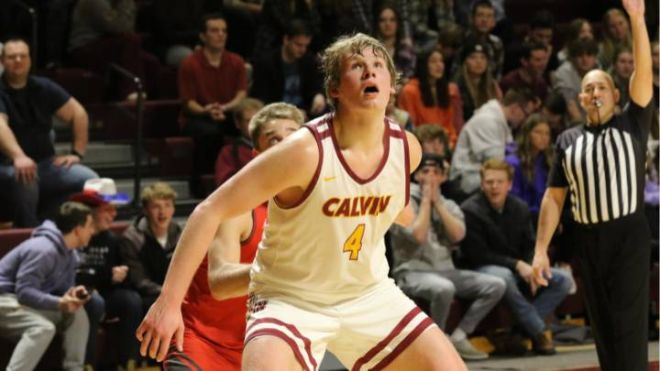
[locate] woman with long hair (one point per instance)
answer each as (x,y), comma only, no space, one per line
(475,80)
(531,161)
(430,98)
(616,35)
(389,30)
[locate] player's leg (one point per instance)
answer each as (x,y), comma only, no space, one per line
(201,354)
(431,350)
(266,353)
(285,335)
(384,329)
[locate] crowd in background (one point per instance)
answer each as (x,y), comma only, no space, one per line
(486,103)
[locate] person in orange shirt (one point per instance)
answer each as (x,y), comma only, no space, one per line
(429,97)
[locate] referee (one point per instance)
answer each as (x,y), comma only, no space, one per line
(601,164)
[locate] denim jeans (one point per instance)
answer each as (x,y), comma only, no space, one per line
(531,314)
(54,185)
(126,304)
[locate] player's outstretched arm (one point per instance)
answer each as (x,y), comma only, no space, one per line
(641,86)
(227,277)
(285,168)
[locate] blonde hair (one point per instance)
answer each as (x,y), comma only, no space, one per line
(271,112)
(333,56)
(158,190)
(246,104)
(496,164)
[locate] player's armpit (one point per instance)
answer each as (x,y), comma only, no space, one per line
(414,151)
(288,166)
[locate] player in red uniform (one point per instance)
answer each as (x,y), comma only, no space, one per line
(215,304)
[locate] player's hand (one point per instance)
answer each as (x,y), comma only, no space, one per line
(541,268)
(634,7)
(25,168)
(163,320)
(66,160)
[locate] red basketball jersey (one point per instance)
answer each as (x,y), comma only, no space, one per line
(220,323)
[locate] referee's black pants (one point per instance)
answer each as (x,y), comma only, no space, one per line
(614,263)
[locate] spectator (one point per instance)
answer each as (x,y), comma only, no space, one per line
(486,136)
(430,98)
(499,241)
(433,139)
(450,40)
(425,32)
(621,71)
(239,151)
(212,81)
(102,33)
(37,292)
(176,27)
(102,269)
(152,238)
(289,73)
(423,263)
(481,25)
(579,28)
(275,18)
(616,35)
(541,31)
(474,79)
(531,161)
(464,8)
(554,109)
(531,73)
(390,31)
(31,175)
(567,78)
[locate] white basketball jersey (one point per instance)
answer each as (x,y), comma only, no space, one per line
(329,247)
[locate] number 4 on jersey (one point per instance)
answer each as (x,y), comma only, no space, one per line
(353,243)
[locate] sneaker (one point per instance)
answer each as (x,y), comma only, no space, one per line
(542,345)
(467,351)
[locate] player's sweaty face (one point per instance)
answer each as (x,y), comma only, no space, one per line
(365,78)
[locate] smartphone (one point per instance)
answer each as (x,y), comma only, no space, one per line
(82,294)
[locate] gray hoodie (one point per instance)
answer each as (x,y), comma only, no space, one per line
(435,254)
(39,270)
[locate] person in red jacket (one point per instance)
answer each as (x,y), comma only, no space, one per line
(236,154)
(214,308)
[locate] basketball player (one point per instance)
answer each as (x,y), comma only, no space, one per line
(602,164)
(320,276)
(215,305)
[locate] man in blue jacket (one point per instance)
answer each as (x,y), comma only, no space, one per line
(37,292)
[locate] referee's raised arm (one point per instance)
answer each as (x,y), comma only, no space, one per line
(641,85)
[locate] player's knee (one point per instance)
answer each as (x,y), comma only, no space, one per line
(269,353)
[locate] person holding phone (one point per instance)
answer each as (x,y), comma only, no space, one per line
(37,292)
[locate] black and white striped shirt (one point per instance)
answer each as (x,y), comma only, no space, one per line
(603,166)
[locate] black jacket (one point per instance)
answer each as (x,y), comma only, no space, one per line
(494,238)
(268,78)
(147,260)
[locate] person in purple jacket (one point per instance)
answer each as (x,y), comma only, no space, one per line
(531,162)
(37,292)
